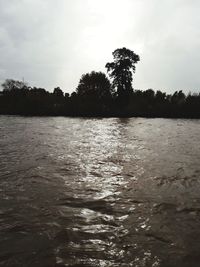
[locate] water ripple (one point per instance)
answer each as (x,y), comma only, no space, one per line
(99,192)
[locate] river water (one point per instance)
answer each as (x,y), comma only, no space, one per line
(99,192)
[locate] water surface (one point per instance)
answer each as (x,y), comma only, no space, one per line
(99,192)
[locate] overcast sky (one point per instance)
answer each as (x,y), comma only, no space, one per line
(52,43)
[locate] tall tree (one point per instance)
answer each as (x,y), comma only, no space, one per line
(121,71)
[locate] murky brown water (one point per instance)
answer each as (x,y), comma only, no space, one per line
(99,192)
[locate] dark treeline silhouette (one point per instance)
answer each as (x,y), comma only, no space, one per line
(97,95)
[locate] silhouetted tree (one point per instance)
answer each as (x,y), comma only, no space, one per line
(160,96)
(121,71)
(149,94)
(94,85)
(67,95)
(73,95)
(96,96)
(11,84)
(58,92)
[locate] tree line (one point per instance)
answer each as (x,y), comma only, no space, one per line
(98,95)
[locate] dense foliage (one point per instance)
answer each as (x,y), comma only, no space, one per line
(121,71)
(97,96)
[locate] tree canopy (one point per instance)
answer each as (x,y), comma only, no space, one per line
(58,92)
(11,84)
(121,70)
(94,85)
(95,95)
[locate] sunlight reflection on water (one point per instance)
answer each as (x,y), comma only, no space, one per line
(99,192)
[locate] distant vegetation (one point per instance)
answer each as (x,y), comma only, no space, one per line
(97,95)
